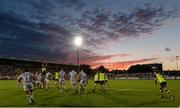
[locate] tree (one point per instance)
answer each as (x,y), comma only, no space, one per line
(102,69)
(87,69)
(140,69)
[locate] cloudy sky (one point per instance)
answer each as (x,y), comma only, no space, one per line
(122,32)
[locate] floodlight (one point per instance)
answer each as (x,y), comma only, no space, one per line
(78,41)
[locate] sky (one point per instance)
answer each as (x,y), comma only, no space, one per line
(116,33)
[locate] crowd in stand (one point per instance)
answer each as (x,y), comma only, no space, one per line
(11,72)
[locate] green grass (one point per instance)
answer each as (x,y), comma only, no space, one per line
(122,93)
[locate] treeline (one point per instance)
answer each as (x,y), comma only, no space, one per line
(52,67)
(12,65)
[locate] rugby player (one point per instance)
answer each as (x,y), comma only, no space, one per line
(73,79)
(26,77)
(56,79)
(47,78)
(83,81)
(62,79)
(43,70)
(100,79)
(163,84)
(39,83)
(18,72)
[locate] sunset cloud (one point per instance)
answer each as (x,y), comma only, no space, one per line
(44,29)
(123,64)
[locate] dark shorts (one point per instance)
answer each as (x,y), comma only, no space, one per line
(96,81)
(163,85)
(102,82)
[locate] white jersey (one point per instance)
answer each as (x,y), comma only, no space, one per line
(82,76)
(72,76)
(48,76)
(39,77)
(62,75)
(26,78)
(36,74)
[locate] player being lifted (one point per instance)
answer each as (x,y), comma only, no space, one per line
(62,79)
(47,78)
(26,77)
(83,81)
(73,79)
(163,83)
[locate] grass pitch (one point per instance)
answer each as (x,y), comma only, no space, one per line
(122,93)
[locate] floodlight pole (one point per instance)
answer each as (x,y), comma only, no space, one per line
(177,65)
(78,64)
(109,63)
(78,42)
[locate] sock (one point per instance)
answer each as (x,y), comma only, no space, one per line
(28,98)
(64,87)
(85,89)
(76,88)
(73,88)
(161,92)
(31,96)
(95,86)
(82,87)
(170,93)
